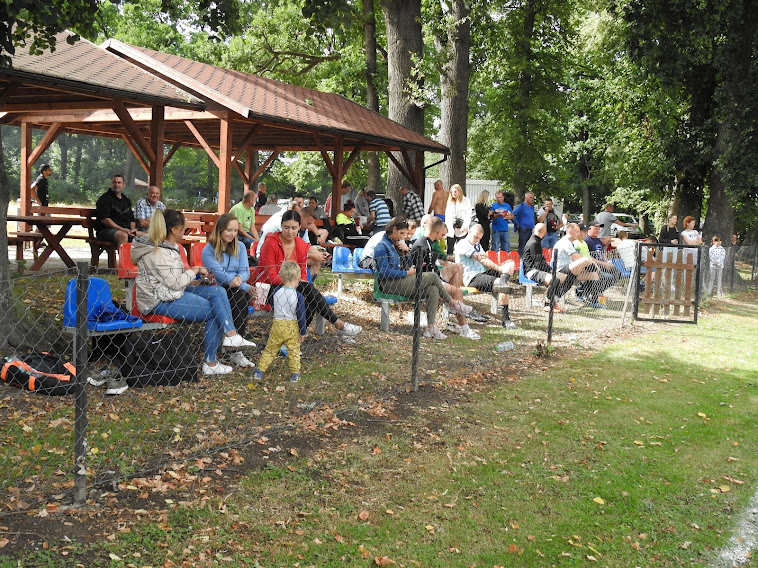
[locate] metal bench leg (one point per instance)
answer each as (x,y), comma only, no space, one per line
(384,325)
(339,285)
(129,294)
(529,296)
(320,326)
(493,305)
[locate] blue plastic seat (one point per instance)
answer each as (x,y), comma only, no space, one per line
(341,260)
(619,265)
(357,254)
(522,277)
(102,314)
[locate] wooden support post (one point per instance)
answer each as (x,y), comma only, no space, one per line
(26,170)
(249,169)
(225,163)
(157,128)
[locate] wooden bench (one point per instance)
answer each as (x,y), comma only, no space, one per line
(20,238)
(89,220)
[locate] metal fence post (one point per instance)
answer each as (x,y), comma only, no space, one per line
(419,264)
(80,403)
(552,302)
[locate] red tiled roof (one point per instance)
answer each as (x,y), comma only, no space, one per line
(85,67)
(259,98)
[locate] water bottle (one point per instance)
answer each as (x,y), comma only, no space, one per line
(505,346)
(350,259)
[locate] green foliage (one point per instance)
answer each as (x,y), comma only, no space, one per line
(32,24)
(519,93)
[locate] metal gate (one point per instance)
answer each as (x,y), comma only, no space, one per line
(669,283)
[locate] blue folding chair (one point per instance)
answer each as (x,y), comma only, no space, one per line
(103,316)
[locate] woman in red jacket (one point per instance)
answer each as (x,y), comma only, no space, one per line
(286,245)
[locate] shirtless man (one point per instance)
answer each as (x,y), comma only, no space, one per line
(439,200)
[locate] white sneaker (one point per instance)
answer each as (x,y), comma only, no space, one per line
(350,330)
(238,341)
(238,358)
(217,369)
(468,333)
(457,307)
(434,332)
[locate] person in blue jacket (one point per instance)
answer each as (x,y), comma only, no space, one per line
(394,278)
(226,258)
(523,220)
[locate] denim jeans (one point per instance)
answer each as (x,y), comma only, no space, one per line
(501,241)
(202,303)
(245,242)
(523,236)
(549,240)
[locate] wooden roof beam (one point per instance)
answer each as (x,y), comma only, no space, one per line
(133,130)
(130,144)
(53,132)
(203,142)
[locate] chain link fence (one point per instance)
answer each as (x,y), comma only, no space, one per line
(70,425)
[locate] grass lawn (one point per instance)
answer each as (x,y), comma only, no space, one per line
(641,453)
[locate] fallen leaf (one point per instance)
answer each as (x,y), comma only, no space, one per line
(599,500)
(363,516)
(4,542)
(512,548)
(383,560)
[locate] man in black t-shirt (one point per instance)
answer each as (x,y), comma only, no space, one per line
(40,190)
(536,268)
(115,218)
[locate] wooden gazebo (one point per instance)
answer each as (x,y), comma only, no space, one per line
(228,113)
(57,91)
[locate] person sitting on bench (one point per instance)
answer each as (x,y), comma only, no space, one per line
(164,286)
(395,279)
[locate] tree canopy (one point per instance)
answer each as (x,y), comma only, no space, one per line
(586,100)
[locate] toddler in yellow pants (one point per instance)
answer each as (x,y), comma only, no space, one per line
(288,327)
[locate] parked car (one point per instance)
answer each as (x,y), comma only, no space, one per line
(633,232)
(570,218)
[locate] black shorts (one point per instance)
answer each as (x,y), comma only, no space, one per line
(485,281)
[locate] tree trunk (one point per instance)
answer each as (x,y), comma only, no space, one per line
(372,97)
(5,196)
(454,79)
(78,147)
(524,55)
(404,43)
(130,171)
(63,141)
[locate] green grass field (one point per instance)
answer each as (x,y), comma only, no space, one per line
(641,453)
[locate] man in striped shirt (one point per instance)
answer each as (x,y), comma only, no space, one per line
(379,213)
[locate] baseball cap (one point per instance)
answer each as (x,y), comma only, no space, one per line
(583,227)
(596,224)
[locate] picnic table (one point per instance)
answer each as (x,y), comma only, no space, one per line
(53,240)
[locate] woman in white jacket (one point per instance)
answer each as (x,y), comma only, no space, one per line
(458,213)
(165,286)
